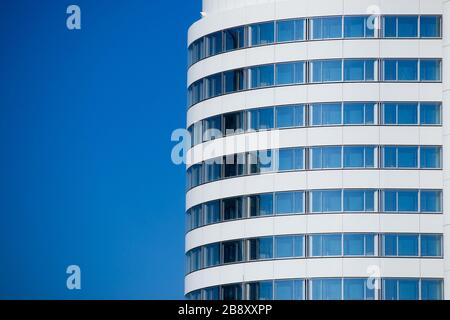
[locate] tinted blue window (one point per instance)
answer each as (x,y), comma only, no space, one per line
(354,200)
(233,123)
(232,251)
(326,289)
(326,201)
(261,205)
(232,209)
(213,170)
(407,26)
(290,30)
(357,289)
(289,290)
(408,245)
(431,290)
(430,70)
(390,201)
(407,70)
(261,248)
(290,116)
(232,292)
(431,201)
(290,159)
(390,245)
(358,157)
(358,245)
(212,128)
(289,246)
(390,26)
(390,70)
(234,80)
(326,114)
(262,76)
(234,38)
(430,26)
(431,245)
(326,157)
(407,201)
(358,70)
(211,255)
(262,33)
(358,113)
(290,73)
(326,71)
(356,27)
(404,289)
(407,113)
(211,294)
(389,113)
(194,295)
(261,119)
(407,157)
(214,86)
(260,290)
(196,259)
(326,28)
(212,212)
(326,245)
(196,175)
(430,157)
(214,44)
(430,113)
(289,202)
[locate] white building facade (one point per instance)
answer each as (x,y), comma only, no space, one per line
(318,166)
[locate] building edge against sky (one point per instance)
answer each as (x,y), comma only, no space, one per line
(357,182)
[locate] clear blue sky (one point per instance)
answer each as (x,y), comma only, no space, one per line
(85,171)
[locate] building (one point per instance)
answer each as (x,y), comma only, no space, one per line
(347,202)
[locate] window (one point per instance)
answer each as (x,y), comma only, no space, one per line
(401,26)
(326,289)
(326,71)
(400,70)
(359,157)
(261,248)
(430,201)
(400,113)
(194,295)
(213,86)
(261,205)
(196,259)
(431,289)
(359,113)
(290,116)
(400,289)
(234,38)
(326,245)
(326,157)
(262,76)
(214,44)
(211,255)
(326,201)
(195,215)
(359,70)
(262,290)
(430,245)
(430,26)
(232,209)
(326,114)
(213,170)
(358,289)
(291,30)
(289,246)
(430,157)
(289,203)
(234,165)
(262,33)
(196,92)
(290,159)
(359,200)
(401,245)
(261,161)
(232,292)
(289,290)
(261,119)
(233,123)
(357,27)
(212,128)
(234,80)
(400,201)
(430,70)
(212,212)
(290,73)
(430,113)
(326,28)
(359,245)
(196,175)
(232,251)
(212,293)
(400,157)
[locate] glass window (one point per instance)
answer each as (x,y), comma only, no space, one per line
(262,33)
(390,245)
(400,70)
(326,289)
(261,161)
(431,245)
(261,205)
(289,290)
(234,38)
(232,251)
(326,201)
(196,175)
(407,26)
(212,212)
(326,245)
(357,27)
(358,200)
(213,170)
(261,248)
(195,215)
(194,295)
(262,76)
(326,114)
(261,119)
(290,73)
(359,245)
(232,292)
(430,26)
(359,113)
(400,289)
(234,165)
(430,201)
(407,113)
(357,289)
(401,201)
(213,86)
(326,157)
(430,113)
(326,70)
(289,203)
(430,70)
(359,70)
(212,293)
(291,30)
(390,26)
(289,246)
(358,157)
(326,28)
(290,116)
(408,245)
(233,123)
(212,128)
(232,208)
(196,259)
(407,157)
(431,289)
(290,159)
(234,80)
(430,157)
(211,255)
(214,44)
(262,290)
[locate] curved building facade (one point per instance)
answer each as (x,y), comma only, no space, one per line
(318,165)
